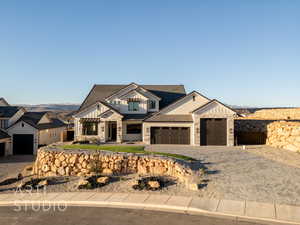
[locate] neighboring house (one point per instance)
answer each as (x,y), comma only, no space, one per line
(23,132)
(3,102)
(153,114)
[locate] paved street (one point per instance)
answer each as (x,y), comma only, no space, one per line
(109,216)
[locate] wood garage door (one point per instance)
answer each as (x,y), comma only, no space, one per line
(213,132)
(23,144)
(2,149)
(170,135)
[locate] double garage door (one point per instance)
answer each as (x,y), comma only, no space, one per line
(22,144)
(170,135)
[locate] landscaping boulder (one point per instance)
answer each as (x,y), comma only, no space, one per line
(102,180)
(154,184)
(83,184)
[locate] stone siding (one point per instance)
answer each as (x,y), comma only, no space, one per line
(52,161)
(283,134)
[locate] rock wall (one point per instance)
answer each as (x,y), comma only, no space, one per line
(52,161)
(277,114)
(285,135)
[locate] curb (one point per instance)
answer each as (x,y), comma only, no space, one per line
(239,210)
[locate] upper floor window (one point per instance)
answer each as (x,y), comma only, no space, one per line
(133,106)
(152,104)
(89,128)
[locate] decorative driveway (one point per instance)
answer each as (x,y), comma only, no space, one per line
(239,174)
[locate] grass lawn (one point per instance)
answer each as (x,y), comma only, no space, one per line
(124,148)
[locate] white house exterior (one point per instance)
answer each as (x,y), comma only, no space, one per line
(153,114)
(23,132)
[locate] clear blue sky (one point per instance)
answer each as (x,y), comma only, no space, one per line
(240,52)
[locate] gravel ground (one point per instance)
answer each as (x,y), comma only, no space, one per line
(237,174)
(259,173)
(12,165)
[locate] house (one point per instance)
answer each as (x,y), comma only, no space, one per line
(153,114)
(3,102)
(22,132)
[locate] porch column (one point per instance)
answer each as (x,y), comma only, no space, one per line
(119,131)
(101,131)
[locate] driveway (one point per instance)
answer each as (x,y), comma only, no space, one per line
(239,174)
(10,166)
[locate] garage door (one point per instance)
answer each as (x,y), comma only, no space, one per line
(170,135)
(2,149)
(213,132)
(23,144)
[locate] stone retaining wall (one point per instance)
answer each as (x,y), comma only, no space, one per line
(285,135)
(277,114)
(52,161)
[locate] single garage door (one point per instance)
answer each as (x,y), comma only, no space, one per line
(2,149)
(170,135)
(23,144)
(213,131)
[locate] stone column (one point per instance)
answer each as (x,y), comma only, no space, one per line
(119,131)
(230,131)
(146,134)
(197,132)
(101,131)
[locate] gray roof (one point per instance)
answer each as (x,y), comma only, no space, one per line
(3,135)
(170,118)
(135,116)
(8,111)
(33,118)
(167,93)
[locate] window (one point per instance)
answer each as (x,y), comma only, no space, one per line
(133,106)
(152,104)
(90,128)
(134,128)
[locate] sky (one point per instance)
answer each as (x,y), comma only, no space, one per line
(241,52)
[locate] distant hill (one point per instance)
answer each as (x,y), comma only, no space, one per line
(51,107)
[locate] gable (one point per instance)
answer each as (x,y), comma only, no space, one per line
(134,94)
(3,102)
(167,93)
(93,111)
(44,119)
(186,105)
(214,108)
(123,91)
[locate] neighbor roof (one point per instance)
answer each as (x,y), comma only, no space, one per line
(33,118)
(3,135)
(167,93)
(8,111)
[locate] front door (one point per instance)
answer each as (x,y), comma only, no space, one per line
(112,131)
